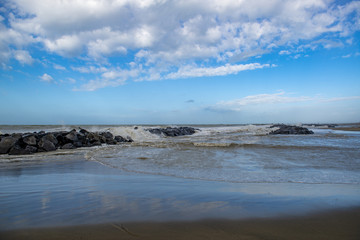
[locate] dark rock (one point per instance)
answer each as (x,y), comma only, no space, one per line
(93,137)
(122,139)
(111,141)
(61,139)
(30,140)
(173,132)
(286,129)
(51,138)
(107,135)
(46,145)
(83,131)
(31,149)
(28,143)
(96,143)
(71,136)
(68,146)
(7,143)
(78,144)
(18,150)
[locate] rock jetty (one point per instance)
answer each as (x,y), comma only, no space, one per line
(28,143)
(288,129)
(172,132)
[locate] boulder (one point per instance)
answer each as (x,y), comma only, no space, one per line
(72,136)
(31,149)
(122,139)
(29,140)
(7,143)
(84,131)
(18,150)
(93,137)
(68,146)
(51,138)
(46,145)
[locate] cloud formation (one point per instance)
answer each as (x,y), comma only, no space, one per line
(160,39)
(272,98)
(46,78)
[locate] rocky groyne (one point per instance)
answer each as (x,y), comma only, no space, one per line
(28,143)
(172,131)
(288,129)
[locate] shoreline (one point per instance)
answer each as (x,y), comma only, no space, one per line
(330,224)
(350,129)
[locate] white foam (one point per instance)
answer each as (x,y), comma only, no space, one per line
(140,134)
(245,129)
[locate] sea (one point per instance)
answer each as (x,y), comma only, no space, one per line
(180,178)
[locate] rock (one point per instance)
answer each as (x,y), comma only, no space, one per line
(107,135)
(46,145)
(28,143)
(7,143)
(173,132)
(51,138)
(68,146)
(29,140)
(287,129)
(18,150)
(72,136)
(93,137)
(31,149)
(121,139)
(96,143)
(83,131)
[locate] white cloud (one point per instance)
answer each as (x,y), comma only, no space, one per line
(46,78)
(68,46)
(284,52)
(23,57)
(238,104)
(191,71)
(272,99)
(111,78)
(336,99)
(160,34)
(90,69)
(59,67)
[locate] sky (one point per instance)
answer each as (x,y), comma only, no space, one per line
(179,62)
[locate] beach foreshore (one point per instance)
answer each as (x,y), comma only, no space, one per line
(336,224)
(352,129)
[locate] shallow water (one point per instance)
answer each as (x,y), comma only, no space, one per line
(219,172)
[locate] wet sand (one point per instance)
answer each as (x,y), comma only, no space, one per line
(340,224)
(59,197)
(353,129)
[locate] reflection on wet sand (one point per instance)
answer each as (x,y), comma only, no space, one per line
(336,225)
(65,193)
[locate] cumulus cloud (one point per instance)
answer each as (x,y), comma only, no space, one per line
(111,78)
(46,78)
(158,36)
(23,57)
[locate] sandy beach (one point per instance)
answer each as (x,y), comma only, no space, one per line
(341,224)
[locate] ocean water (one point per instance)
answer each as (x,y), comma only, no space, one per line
(235,153)
(233,171)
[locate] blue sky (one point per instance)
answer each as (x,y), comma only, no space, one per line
(179,62)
